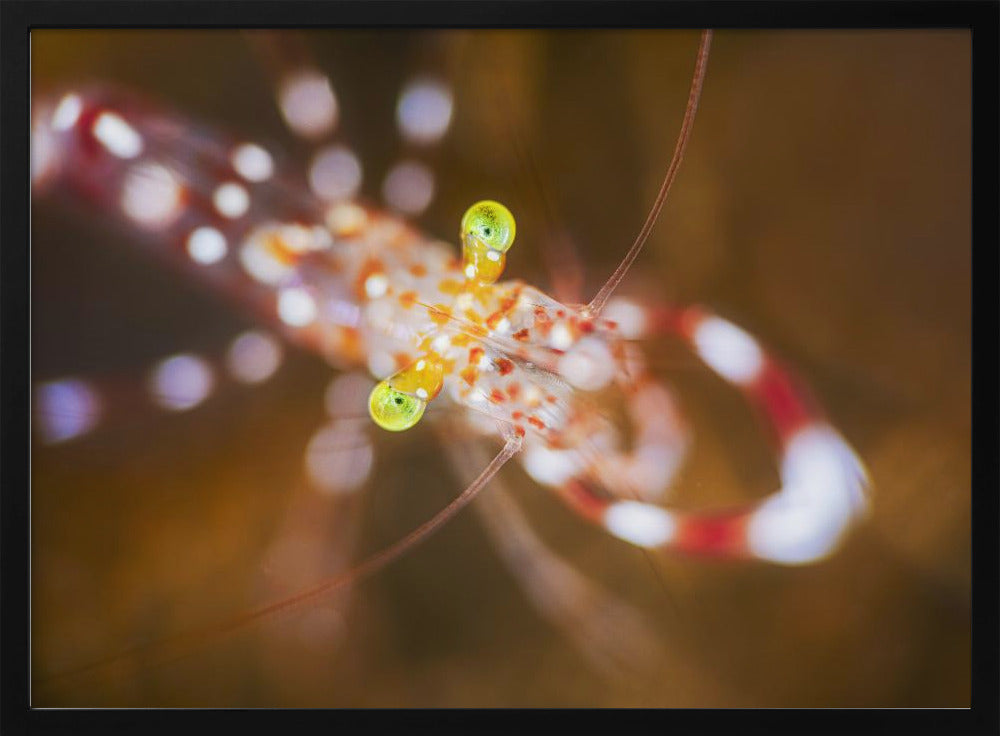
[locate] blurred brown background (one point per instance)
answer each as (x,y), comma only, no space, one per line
(824,204)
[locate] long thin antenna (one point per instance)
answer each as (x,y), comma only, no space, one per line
(176,647)
(597,303)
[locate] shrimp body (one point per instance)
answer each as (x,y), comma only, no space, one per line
(355,284)
(360,286)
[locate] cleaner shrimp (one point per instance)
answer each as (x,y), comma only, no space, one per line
(568,391)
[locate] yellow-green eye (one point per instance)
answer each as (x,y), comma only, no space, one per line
(394,410)
(490,222)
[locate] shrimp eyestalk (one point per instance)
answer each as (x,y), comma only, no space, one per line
(487,233)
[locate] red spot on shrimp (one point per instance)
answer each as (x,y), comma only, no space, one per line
(279,250)
(582,498)
(551,399)
(369,268)
(519,430)
(475,353)
(419,270)
(497,397)
(685,322)
(713,536)
(470,375)
(521,335)
(508,303)
(543,323)
(505,366)
(517,415)
(514,390)
(536,422)
(787,405)
(407,299)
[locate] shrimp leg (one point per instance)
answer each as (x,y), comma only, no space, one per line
(71,407)
(823,482)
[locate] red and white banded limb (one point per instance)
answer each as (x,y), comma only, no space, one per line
(823,482)
(71,407)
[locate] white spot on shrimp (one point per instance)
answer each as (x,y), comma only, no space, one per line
(231,200)
(308,103)
(816,457)
(782,530)
(206,245)
(117,136)
(560,337)
(409,187)
(253,357)
(296,238)
(728,350)
(252,162)
(376,285)
(551,467)
(589,365)
(532,396)
(260,261)
(641,524)
(424,111)
(65,409)
(823,490)
(151,195)
(441,343)
(67,112)
(346,219)
(296,307)
(629,316)
(335,173)
(181,382)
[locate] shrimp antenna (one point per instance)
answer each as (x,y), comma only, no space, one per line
(176,647)
(597,303)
